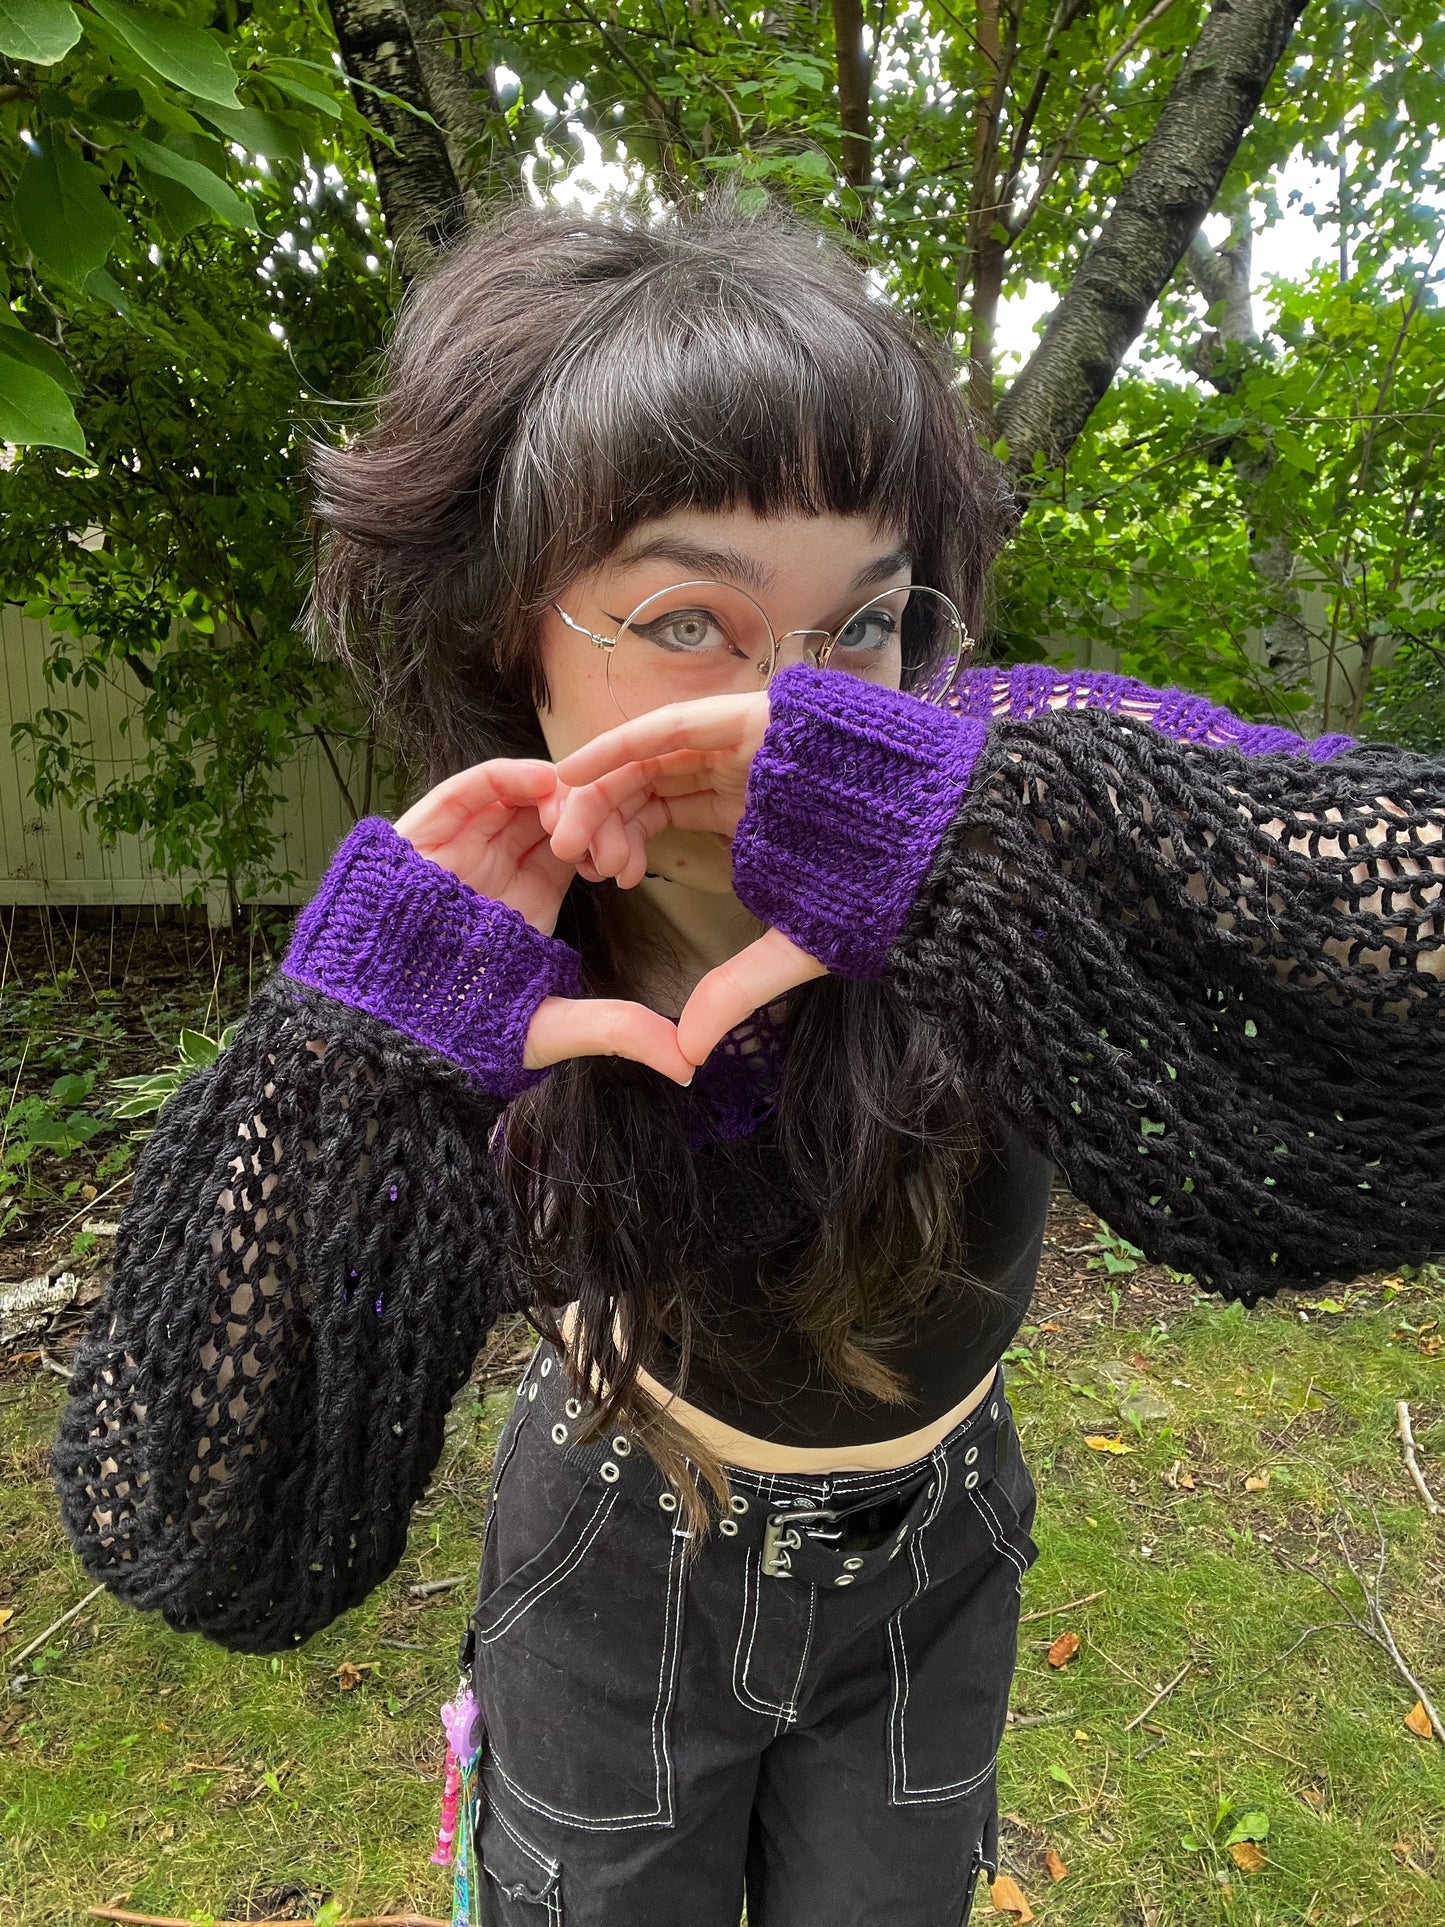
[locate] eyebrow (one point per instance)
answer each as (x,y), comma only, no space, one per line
(740,567)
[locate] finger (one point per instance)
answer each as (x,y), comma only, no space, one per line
(711,722)
(735,989)
(604,1027)
(446,811)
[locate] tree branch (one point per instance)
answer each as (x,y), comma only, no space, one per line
(855,88)
(1157,209)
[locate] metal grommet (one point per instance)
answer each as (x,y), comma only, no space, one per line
(738,1503)
(609,1471)
(852,1565)
(668,1501)
(573,1408)
(971,1480)
(546,1366)
(728,1528)
(844,1579)
(993,1409)
(532,1389)
(559,1433)
(621,1446)
(970,1455)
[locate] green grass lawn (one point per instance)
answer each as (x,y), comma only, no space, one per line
(196,1782)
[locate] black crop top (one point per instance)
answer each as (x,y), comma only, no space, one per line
(773,1388)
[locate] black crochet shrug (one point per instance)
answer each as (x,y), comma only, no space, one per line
(1207,985)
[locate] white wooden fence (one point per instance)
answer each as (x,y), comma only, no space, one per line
(52,856)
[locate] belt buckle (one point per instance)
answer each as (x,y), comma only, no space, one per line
(781,1537)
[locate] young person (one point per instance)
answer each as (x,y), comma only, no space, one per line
(729,1001)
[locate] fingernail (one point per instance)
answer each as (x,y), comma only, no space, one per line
(688,1079)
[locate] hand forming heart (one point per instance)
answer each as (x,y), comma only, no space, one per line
(519,829)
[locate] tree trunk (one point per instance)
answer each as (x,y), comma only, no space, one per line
(855,88)
(1224,277)
(1148,229)
(420,197)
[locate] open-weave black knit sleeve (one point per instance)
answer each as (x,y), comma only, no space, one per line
(1211,986)
(315,1248)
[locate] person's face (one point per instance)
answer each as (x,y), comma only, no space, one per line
(808,572)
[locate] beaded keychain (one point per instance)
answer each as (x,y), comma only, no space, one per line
(459,1719)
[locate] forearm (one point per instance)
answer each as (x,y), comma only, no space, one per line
(316,1246)
(1129,965)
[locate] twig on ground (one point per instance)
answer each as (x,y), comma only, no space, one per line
(1376,1627)
(18,1659)
(1162,1694)
(1042,1719)
(1123,1671)
(53,1365)
(1407,1442)
(430,1586)
(1068,1606)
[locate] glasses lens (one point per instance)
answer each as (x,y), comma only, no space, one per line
(910,639)
(695,639)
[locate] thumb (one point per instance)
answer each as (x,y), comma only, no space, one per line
(735,989)
(565,1027)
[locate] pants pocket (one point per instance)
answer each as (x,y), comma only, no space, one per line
(953,1646)
(520,1885)
(576,1643)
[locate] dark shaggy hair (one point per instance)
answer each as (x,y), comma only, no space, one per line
(554,382)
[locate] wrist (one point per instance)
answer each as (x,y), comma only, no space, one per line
(394,934)
(848,797)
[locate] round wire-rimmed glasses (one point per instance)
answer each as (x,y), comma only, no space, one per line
(705,638)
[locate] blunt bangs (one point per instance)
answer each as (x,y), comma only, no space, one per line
(693,386)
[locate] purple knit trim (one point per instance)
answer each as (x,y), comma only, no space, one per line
(1031,689)
(848,797)
(394,934)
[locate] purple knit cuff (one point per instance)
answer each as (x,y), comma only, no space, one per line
(392,933)
(848,797)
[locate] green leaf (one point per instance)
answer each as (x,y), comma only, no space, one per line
(1061,1774)
(104,287)
(257,132)
(207,186)
(197,1050)
(178,52)
(21,345)
(1249,1826)
(308,96)
(35,410)
(63,214)
(39,31)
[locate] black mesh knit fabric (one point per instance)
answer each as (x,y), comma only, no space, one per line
(1188,976)
(315,1248)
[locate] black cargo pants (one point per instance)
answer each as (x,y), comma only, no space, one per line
(808,1715)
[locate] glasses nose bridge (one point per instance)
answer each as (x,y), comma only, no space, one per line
(824,638)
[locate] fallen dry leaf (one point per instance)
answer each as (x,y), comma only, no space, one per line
(7,1613)
(1056,1867)
(1313,1795)
(348,1676)
(1186,1481)
(1418,1721)
(1063,1649)
(1246,1856)
(1256,1482)
(1097,1442)
(1008,1898)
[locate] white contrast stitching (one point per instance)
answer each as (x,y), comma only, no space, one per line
(541,1587)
